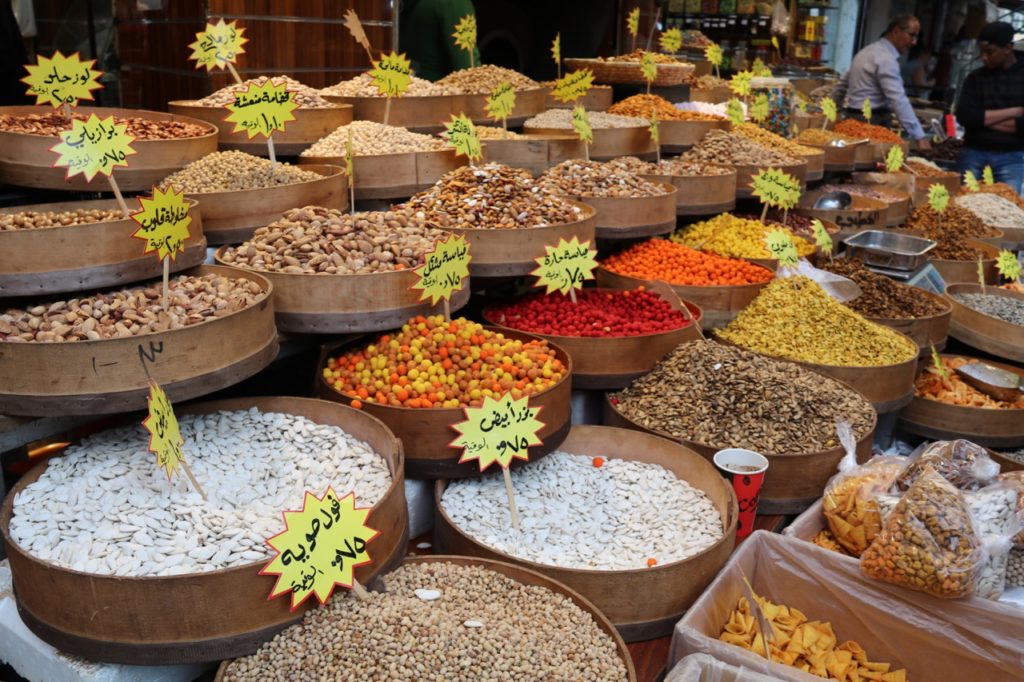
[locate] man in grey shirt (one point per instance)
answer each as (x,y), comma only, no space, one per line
(875,75)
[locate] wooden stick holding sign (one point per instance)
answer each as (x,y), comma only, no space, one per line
(163,224)
(655,136)
(261,110)
(498,432)
(95,146)
(61,81)
(218,47)
(320,548)
(165,439)
(445,270)
(350,168)
(565,267)
(392,74)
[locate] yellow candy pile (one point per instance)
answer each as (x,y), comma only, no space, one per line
(733,237)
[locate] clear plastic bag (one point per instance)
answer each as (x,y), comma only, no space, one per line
(780,19)
(1016,479)
(928,542)
(996,521)
(964,464)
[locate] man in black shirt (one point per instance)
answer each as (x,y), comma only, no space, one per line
(991,109)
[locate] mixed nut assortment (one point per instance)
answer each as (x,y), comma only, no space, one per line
(579,178)
(719,146)
(52,123)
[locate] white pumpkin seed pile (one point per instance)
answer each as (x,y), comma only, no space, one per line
(483,626)
(105,507)
(574,514)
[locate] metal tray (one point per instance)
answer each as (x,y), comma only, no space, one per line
(889,250)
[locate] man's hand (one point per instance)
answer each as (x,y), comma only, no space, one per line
(924,144)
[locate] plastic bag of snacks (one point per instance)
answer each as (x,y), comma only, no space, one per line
(966,465)
(1016,479)
(928,542)
(849,503)
(994,514)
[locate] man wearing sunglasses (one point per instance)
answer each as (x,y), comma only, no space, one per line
(875,75)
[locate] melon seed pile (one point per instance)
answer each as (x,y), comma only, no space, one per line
(483,626)
(105,508)
(584,512)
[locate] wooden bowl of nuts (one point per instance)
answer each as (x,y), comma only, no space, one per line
(988,327)
(701,194)
(163,143)
(863,213)
(81,245)
(675,482)
(535,153)
(395,176)
(419,113)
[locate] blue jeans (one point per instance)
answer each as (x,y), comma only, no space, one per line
(1007,167)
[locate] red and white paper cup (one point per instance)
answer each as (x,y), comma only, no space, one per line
(746,470)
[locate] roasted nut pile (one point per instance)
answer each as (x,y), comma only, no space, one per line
(924,168)
(770,140)
(481,80)
(579,178)
(723,396)
(819,136)
(727,235)
(795,318)
(130,312)
(706,82)
(491,196)
(992,209)
(953,390)
(370,138)
(562,120)
(234,171)
(673,166)
(494,133)
(327,241)
(951,233)
(882,296)
(1003,190)
(870,191)
(1002,307)
(50,124)
(363,86)
(646,106)
(638,56)
(718,146)
(861,130)
(27,220)
(305,96)
(440,621)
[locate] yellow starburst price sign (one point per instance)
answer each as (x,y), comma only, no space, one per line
(671,41)
(776,188)
(759,69)
(465,35)
(822,237)
(713,53)
(971,181)
(938,198)
(802,107)
(61,80)
(462,136)
(652,127)
(775,42)
(163,223)
(218,46)
(866,109)
(320,548)
(581,124)
(444,270)
(828,107)
(633,22)
(556,50)
(565,266)
(165,439)
(498,431)
(894,159)
(780,245)
(1008,265)
(939,365)
(740,83)
(94,146)
(392,74)
(350,159)
(734,110)
(759,110)
(987,176)
(262,109)
(648,68)
(572,86)
(501,102)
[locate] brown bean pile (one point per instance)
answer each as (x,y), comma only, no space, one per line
(881,296)
(723,396)
(718,146)
(27,220)
(130,312)
(578,178)
(491,196)
(50,124)
(327,241)
(481,80)
(957,225)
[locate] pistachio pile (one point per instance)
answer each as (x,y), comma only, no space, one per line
(579,178)
(481,80)
(52,123)
(718,146)
(233,171)
(491,196)
(317,240)
(305,96)
(494,133)
(673,166)
(130,312)
(363,85)
(370,138)
(27,220)
(561,119)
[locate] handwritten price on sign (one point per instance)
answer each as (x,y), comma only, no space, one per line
(572,86)
(556,49)
(780,245)
(971,181)
(776,188)
(501,102)
(633,21)
(713,53)
(938,197)
(262,109)
(463,137)
(1008,265)
(734,110)
(465,33)
(759,110)
(392,74)
(444,270)
(565,266)
(671,41)
(498,432)
(93,146)
(321,546)
(581,124)
(165,439)
(940,366)
(987,176)
(62,80)
(894,159)
(648,67)
(828,107)
(740,83)
(822,237)
(759,69)
(219,45)
(163,223)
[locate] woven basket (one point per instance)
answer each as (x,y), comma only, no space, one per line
(609,73)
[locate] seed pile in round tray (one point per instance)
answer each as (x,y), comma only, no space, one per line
(659,259)
(593,314)
(130,312)
(52,123)
(951,232)
(579,178)
(430,362)
(673,166)
(819,136)
(370,138)
(234,171)
(795,318)
(492,196)
(870,191)
(727,235)
(882,296)
(327,241)
(106,508)
(305,96)
(924,167)
(28,220)
(723,396)
(861,130)
(718,146)
(440,621)
(363,85)
(493,133)
(770,140)
(992,209)
(481,80)
(646,106)
(588,512)
(562,118)
(1001,307)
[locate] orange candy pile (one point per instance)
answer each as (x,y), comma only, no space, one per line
(431,362)
(660,259)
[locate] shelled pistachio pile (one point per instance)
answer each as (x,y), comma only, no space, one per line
(233,171)
(303,95)
(370,138)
